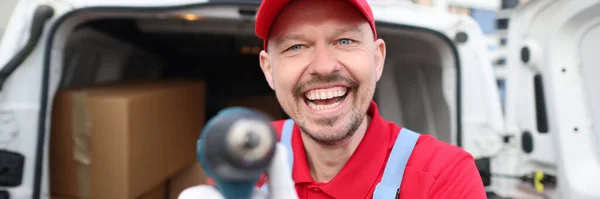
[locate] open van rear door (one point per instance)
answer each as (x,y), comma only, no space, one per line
(22,52)
(467,83)
(553,98)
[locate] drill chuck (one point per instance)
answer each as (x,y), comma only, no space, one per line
(235,148)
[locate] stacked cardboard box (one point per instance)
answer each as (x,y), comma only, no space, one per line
(133,140)
(123,140)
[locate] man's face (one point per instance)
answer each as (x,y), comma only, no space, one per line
(323,63)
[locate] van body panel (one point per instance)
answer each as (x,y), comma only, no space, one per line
(133,3)
(21,95)
(552,97)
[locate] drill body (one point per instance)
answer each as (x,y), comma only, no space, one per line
(235,148)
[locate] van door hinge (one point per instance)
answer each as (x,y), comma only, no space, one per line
(11,163)
(4,194)
(11,168)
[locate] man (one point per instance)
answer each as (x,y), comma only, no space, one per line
(323,59)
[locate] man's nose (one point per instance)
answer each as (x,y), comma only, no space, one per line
(324,61)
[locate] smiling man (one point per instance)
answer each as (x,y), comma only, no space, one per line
(323,59)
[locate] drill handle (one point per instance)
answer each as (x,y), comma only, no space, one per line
(279,176)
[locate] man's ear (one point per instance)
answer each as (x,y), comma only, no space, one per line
(265,65)
(380,52)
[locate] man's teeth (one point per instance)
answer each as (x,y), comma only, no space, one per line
(323,107)
(321,94)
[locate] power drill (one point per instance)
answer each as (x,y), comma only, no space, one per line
(235,148)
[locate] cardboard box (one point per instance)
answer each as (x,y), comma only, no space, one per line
(119,141)
(158,192)
(266,103)
(188,177)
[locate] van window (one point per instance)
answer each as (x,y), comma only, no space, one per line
(6,10)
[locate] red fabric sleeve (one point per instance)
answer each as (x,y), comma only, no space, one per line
(460,179)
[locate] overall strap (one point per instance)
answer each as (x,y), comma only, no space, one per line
(389,186)
(286,140)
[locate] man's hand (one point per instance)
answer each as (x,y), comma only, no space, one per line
(279,179)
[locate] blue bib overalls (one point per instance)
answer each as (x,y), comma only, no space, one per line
(389,186)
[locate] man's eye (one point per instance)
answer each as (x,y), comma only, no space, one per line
(345,41)
(296,47)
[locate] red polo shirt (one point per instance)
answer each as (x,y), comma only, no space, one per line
(435,169)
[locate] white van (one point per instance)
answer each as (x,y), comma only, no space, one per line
(438,77)
(553,99)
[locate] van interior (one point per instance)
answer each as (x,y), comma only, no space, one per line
(418,88)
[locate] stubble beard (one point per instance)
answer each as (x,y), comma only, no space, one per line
(329,138)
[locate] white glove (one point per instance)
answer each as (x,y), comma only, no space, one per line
(279,179)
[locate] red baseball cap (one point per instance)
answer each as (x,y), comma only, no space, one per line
(269,9)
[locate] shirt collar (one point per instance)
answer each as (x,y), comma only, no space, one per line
(363,168)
